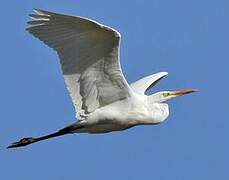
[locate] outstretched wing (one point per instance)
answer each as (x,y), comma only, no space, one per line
(142,85)
(89,56)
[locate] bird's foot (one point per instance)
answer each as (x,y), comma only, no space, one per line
(22,142)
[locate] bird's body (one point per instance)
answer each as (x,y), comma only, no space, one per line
(89,58)
(124,114)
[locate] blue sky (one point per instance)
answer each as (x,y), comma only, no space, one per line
(189,39)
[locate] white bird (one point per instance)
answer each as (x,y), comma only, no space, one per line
(90,61)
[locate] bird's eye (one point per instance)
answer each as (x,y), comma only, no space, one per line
(165,94)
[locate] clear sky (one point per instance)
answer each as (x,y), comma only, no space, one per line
(189,39)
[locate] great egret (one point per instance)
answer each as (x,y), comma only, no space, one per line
(89,57)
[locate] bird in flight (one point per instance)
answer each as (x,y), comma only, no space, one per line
(89,54)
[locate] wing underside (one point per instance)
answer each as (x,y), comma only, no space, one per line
(89,57)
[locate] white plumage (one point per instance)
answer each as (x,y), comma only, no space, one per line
(89,58)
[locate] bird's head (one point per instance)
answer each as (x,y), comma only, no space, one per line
(167,95)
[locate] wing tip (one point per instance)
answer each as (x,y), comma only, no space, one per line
(37,18)
(41,12)
(162,73)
